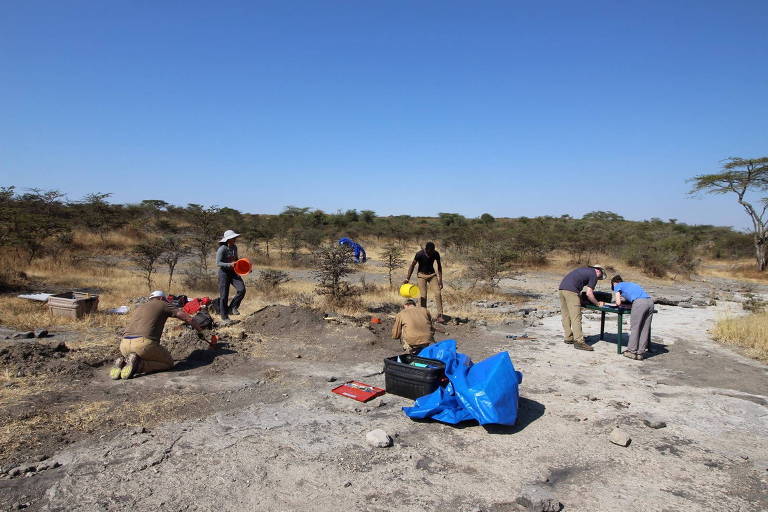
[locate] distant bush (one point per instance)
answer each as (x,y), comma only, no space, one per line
(270,280)
(334,263)
(753,303)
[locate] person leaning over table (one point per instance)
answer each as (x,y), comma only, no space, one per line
(570,302)
(640,317)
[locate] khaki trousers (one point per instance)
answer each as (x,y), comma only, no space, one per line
(570,309)
(413,349)
(430,281)
(154,357)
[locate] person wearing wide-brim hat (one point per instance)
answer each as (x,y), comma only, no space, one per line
(570,302)
(226,256)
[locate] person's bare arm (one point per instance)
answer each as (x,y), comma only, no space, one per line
(410,271)
(440,274)
(617,298)
(592,299)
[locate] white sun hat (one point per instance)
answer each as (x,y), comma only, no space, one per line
(157,293)
(228,235)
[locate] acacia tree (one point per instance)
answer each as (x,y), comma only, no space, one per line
(174,249)
(393,259)
(741,176)
(334,262)
(146,256)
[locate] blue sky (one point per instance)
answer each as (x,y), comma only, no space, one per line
(402,107)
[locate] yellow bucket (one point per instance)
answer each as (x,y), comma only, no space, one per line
(410,291)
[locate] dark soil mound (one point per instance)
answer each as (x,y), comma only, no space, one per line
(279,319)
(182,344)
(24,358)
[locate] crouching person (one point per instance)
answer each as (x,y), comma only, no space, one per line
(413,327)
(140,346)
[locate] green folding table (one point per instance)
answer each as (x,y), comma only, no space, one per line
(620,312)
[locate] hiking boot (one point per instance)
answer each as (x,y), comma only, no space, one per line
(131,368)
(568,342)
(234,311)
(114,373)
(582,346)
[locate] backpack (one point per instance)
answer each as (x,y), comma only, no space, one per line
(203,318)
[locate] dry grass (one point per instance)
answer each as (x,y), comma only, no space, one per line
(740,269)
(749,332)
(31,431)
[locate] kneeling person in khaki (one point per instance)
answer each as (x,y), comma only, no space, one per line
(413,327)
(140,346)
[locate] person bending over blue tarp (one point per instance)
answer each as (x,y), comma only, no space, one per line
(357,248)
(486,391)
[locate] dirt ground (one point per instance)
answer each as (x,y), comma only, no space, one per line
(254,426)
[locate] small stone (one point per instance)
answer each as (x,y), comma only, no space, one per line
(348,484)
(243,335)
(654,423)
(14,472)
(331,379)
(41,334)
(298,356)
(42,467)
(619,437)
(23,335)
(378,438)
(56,465)
(537,498)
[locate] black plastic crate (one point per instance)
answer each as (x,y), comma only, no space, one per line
(402,379)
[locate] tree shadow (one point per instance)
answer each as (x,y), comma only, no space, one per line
(202,357)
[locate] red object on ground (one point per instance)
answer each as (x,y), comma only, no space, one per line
(375,320)
(194,305)
(214,341)
(359,391)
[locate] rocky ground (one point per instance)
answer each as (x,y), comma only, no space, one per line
(254,426)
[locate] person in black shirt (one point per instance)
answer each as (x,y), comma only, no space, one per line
(570,302)
(425,259)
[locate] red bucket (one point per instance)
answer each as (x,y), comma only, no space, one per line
(242,266)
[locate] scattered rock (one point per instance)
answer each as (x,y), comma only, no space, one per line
(331,379)
(41,334)
(243,335)
(654,423)
(298,356)
(378,438)
(24,335)
(619,437)
(348,484)
(536,498)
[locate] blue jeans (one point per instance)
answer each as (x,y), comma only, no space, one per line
(225,279)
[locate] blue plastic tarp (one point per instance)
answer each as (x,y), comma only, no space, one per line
(358,251)
(486,391)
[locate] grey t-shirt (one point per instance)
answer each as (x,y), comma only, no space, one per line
(578,279)
(225,256)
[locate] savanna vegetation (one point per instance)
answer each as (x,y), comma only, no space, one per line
(130,248)
(154,234)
